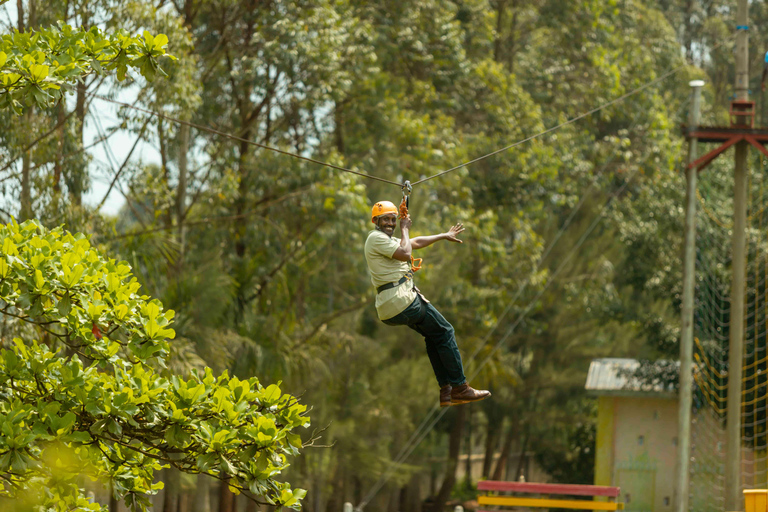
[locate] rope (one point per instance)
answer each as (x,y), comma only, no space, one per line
(241,139)
(572,120)
(557,127)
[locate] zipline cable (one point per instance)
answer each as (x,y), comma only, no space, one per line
(572,120)
(557,127)
(344,169)
(241,139)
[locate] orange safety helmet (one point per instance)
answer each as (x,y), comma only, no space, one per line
(381,208)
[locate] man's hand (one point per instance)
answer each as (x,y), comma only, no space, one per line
(453,232)
(405,223)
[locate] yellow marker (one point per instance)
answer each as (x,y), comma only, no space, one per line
(755,500)
(547,503)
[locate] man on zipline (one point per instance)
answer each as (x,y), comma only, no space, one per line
(399,302)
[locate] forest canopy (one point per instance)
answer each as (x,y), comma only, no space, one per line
(571,250)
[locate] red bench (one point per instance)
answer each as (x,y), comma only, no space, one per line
(546,490)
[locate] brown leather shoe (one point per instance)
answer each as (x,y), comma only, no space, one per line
(464,394)
(445,396)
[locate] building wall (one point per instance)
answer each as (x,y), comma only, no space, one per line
(637,447)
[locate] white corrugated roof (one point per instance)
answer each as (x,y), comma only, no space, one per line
(613,376)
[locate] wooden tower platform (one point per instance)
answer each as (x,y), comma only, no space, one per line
(742,128)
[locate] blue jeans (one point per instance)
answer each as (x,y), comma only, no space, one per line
(422,317)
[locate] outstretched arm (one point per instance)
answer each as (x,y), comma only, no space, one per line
(403,253)
(423,241)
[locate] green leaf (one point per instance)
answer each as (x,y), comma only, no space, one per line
(160,41)
(65,423)
(271,394)
(39,72)
(39,281)
(64,305)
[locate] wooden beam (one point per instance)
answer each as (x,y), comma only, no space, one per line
(535,488)
(547,503)
(707,159)
(754,142)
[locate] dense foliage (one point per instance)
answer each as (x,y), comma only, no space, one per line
(102,410)
(572,243)
(37,66)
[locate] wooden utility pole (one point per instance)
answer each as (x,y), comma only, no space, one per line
(733,499)
(686,338)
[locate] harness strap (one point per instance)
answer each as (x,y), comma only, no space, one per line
(392,285)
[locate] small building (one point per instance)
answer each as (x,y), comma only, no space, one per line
(636,435)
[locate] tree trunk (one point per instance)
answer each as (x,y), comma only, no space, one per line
(688,38)
(523,448)
(183,501)
(59,162)
(468,467)
(181,192)
(113,503)
(512,49)
(26,184)
(172,484)
(241,230)
(501,465)
(168,216)
(20,14)
(226,498)
(495,428)
(202,501)
(75,183)
(454,449)
(501,6)
(394,501)
(338,131)
(413,494)
(32,14)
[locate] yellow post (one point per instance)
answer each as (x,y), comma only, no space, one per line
(756,500)
(604,453)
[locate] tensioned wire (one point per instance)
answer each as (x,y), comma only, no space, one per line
(343,169)
(369,176)
(588,113)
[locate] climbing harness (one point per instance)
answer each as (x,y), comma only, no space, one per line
(407,189)
(402,280)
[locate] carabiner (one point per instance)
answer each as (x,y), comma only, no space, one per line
(407,189)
